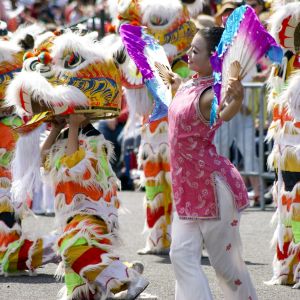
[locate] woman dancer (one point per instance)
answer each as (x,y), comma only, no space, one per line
(209,192)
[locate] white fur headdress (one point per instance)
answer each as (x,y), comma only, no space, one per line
(291,10)
(292,96)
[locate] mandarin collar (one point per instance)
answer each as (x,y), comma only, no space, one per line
(202,79)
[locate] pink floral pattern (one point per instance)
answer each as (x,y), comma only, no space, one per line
(228,247)
(194,159)
(237,282)
(234,223)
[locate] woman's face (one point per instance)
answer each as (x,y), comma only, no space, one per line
(198,57)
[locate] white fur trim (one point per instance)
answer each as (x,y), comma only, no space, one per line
(26,166)
(113,8)
(58,150)
(42,38)
(195,8)
(123,5)
(86,46)
(292,95)
(38,88)
(170,50)
(7,51)
(291,9)
(34,30)
(60,271)
(168,10)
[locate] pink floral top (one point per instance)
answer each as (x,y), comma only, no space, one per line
(194,159)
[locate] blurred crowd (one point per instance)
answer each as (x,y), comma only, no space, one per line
(66,12)
(51,12)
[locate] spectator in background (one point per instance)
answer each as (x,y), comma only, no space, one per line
(41,11)
(57,12)
(227,7)
(74,11)
(111,130)
(257,5)
(204,21)
(3,15)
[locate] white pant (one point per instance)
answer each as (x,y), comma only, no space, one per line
(222,241)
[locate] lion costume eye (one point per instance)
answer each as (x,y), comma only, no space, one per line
(158,21)
(73,60)
(30,64)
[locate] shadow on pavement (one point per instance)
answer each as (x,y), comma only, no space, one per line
(165,259)
(40,278)
(250,210)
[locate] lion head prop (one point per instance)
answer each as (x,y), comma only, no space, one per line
(65,74)
(168,21)
(12,48)
(285,27)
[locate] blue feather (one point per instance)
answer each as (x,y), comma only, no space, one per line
(213,111)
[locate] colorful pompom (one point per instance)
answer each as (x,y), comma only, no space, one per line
(58,32)
(27,55)
(111,28)
(134,23)
(45,58)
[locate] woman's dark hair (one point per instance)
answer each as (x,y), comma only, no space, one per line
(212,36)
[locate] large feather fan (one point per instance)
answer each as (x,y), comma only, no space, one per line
(243,43)
(151,60)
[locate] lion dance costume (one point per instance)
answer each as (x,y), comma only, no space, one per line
(169,22)
(18,253)
(73,73)
(285,131)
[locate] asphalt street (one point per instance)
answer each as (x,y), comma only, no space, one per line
(256,235)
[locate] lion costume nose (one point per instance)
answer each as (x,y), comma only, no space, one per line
(45,58)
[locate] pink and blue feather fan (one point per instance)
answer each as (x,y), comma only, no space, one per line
(146,52)
(244,40)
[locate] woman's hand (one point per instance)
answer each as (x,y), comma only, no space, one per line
(175,81)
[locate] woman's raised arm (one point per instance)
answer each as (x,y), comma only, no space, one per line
(234,99)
